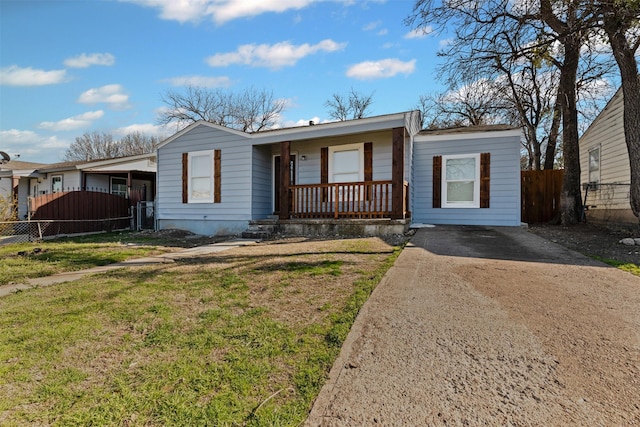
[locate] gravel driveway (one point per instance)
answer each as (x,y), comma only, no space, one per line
(490,326)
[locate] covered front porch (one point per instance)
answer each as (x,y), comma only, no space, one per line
(347,190)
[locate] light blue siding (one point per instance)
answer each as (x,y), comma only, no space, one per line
(309,169)
(231,216)
(262,184)
(504,207)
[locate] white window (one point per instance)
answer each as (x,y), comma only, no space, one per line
(119,186)
(594,165)
(56,183)
(346,163)
(461,181)
(200,180)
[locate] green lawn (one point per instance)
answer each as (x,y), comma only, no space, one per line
(27,260)
(630,267)
(245,337)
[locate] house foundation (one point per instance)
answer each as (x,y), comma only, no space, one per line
(328,228)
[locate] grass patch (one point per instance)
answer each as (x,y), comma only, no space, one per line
(226,340)
(625,266)
(22,261)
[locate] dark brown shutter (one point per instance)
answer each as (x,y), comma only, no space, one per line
(368,167)
(437,181)
(185,178)
(368,161)
(217,173)
(324,170)
(485,172)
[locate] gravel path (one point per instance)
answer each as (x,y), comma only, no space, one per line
(457,335)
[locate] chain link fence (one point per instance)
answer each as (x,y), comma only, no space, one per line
(36,230)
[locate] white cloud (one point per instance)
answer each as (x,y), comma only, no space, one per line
(385,68)
(85,60)
(372,26)
(419,33)
(444,43)
(73,123)
(199,81)
(17,76)
(144,128)
(113,95)
(31,145)
(272,56)
(221,11)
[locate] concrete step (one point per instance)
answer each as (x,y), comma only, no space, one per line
(262,229)
(256,234)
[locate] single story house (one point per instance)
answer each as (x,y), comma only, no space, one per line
(131,176)
(14,185)
(605,172)
(361,174)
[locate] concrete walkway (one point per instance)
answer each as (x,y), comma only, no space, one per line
(138,262)
(489,326)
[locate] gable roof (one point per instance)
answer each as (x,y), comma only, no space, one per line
(84,164)
(17,164)
(367,124)
(467,132)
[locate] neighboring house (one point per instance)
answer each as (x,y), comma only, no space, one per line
(14,183)
(122,176)
(604,164)
(115,176)
(375,171)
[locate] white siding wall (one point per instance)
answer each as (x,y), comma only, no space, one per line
(70,181)
(607,132)
(504,207)
(98,182)
(231,216)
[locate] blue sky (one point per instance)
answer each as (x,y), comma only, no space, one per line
(71,67)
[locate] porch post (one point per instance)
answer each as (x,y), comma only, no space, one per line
(397,174)
(285,178)
(15,195)
(129,184)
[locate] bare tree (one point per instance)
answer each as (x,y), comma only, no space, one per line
(491,32)
(92,146)
(473,104)
(95,146)
(137,143)
(249,111)
(621,24)
(354,105)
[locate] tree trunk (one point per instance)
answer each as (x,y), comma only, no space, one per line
(571,197)
(552,140)
(624,55)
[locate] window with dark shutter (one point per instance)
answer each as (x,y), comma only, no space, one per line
(461,181)
(201,177)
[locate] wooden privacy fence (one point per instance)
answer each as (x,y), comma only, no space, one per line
(540,195)
(81,211)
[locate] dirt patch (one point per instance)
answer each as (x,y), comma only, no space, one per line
(592,241)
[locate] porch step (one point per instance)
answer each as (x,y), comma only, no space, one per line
(262,229)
